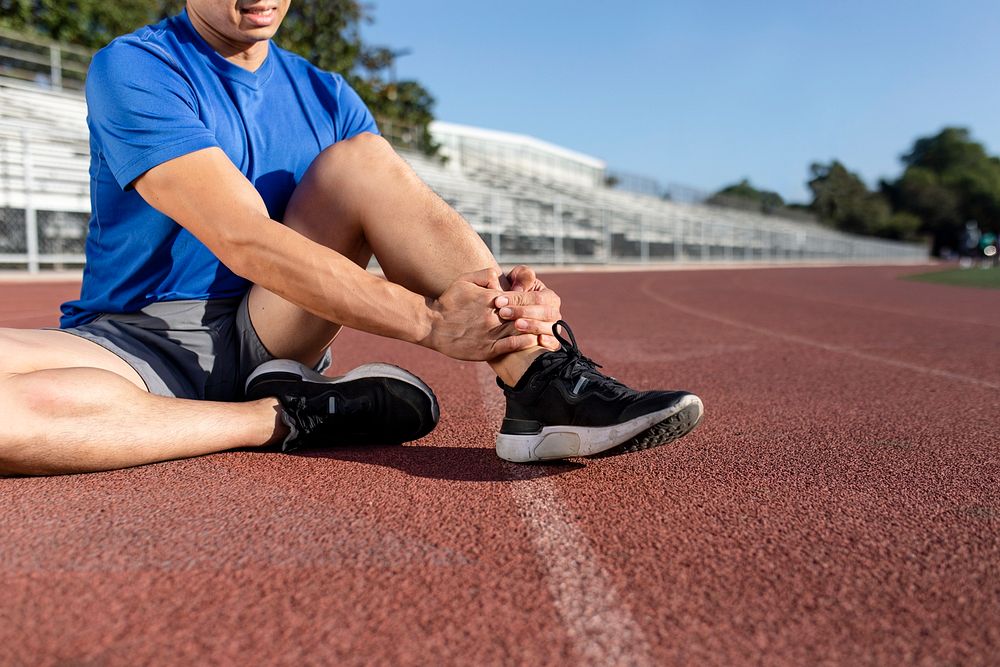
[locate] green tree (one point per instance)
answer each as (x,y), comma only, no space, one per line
(85,23)
(842,200)
(948,179)
(745,195)
(325,32)
(901,226)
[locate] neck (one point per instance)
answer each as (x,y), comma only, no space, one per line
(248,55)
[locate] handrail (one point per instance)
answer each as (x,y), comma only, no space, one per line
(38,40)
(44,61)
(521,217)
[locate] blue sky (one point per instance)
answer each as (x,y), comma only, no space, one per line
(706,93)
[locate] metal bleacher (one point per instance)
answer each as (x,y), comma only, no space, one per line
(44,182)
(526,218)
(44,206)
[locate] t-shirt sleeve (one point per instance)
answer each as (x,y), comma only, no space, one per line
(353,116)
(141,110)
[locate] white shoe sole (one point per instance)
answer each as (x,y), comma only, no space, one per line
(563,442)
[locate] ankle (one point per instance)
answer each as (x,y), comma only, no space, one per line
(279,430)
(511,367)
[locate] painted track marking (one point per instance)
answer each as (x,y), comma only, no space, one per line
(603,631)
(801,340)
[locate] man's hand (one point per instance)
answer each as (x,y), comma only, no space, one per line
(530,306)
(466,325)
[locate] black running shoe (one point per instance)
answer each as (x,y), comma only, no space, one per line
(564,407)
(374,404)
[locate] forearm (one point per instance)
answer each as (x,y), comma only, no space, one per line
(207,195)
(326,283)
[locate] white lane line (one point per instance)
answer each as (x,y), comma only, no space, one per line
(829,347)
(601,628)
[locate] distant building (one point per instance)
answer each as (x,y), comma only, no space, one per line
(470,149)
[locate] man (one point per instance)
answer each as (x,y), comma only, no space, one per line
(204,135)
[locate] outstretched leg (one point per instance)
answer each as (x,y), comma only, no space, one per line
(72,406)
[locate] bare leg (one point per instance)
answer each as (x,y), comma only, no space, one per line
(72,406)
(360,198)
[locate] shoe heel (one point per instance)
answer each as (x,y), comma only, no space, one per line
(538,447)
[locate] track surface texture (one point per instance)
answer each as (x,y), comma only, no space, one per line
(839,504)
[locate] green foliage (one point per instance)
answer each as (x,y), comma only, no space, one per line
(85,23)
(948,179)
(842,200)
(325,32)
(951,147)
(745,195)
(901,226)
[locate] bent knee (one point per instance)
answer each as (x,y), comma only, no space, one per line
(357,155)
(366,143)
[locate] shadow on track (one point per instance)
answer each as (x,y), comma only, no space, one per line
(460,464)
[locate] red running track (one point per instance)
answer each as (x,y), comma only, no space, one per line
(839,504)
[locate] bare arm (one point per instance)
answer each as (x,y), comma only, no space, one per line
(205,193)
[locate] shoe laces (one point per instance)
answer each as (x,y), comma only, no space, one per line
(574,364)
(310,420)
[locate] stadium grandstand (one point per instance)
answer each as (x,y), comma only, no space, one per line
(529,200)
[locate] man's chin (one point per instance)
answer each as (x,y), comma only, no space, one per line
(256,35)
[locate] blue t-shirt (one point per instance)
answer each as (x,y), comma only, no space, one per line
(162,92)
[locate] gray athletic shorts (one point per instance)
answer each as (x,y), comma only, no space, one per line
(187,349)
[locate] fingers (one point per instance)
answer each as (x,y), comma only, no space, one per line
(549,342)
(534,322)
(516,320)
(544,312)
(524,279)
(531,312)
(514,344)
(545,297)
(488,278)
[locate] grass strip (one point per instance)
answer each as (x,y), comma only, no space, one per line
(973,277)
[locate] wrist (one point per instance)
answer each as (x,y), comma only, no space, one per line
(425,323)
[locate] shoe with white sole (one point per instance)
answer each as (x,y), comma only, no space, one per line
(374,404)
(564,407)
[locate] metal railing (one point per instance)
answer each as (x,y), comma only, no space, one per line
(42,62)
(44,207)
(44,198)
(558,230)
(640,184)
(44,201)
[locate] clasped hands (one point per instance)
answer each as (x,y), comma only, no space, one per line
(485,315)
